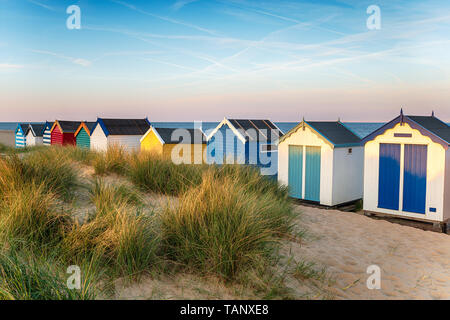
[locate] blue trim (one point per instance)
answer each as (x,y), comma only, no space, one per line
(102,125)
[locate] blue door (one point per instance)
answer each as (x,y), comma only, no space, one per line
(415,178)
(295,168)
(389,176)
(312,174)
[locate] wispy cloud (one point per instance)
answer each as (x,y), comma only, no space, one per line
(78,61)
(42,5)
(181,3)
(8,66)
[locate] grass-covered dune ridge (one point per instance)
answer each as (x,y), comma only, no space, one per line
(223,221)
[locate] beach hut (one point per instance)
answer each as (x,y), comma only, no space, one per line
(63,132)
(34,134)
(47,133)
(180,145)
(83,134)
(20,133)
(244,141)
(407,169)
(322,162)
(125,133)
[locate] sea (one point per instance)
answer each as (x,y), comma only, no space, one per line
(361,129)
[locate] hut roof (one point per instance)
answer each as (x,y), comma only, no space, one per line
(36,129)
(123,126)
(434,125)
(67,126)
(334,132)
(437,130)
(166,135)
(251,130)
(23,127)
(88,126)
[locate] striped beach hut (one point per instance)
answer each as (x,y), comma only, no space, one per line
(34,134)
(47,133)
(126,133)
(63,132)
(245,141)
(322,162)
(407,169)
(181,145)
(83,134)
(20,133)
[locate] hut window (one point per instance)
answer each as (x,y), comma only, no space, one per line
(349,151)
(269,148)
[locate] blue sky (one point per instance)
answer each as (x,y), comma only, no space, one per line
(183,60)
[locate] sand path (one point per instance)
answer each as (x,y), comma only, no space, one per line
(415,264)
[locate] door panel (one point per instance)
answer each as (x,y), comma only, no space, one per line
(312,174)
(295,168)
(415,178)
(389,176)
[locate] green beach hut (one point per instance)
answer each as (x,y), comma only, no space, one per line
(83,134)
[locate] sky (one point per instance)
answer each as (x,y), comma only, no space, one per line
(186,60)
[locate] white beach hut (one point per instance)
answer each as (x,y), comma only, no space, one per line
(321,162)
(125,133)
(407,169)
(34,135)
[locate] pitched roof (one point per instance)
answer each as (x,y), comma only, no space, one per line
(434,125)
(68,126)
(251,130)
(430,126)
(37,129)
(123,126)
(260,130)
(23,127)
(194,136)
(90,125)
(334,132)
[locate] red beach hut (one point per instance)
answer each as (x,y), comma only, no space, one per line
(63,132)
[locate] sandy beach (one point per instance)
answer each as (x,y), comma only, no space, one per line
(415,264)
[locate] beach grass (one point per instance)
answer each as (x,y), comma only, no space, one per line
(226,221)
(224,226)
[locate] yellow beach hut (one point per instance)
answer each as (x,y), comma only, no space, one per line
(181,145)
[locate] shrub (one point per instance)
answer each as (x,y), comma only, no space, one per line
(224,226)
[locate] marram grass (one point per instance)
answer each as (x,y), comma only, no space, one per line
(223,227)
